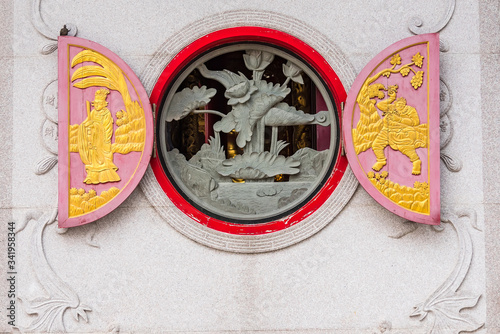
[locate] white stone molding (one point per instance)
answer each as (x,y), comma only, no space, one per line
(446,126)
(248,243)
(49,310)
(417,28)
(48,129)
(453,164)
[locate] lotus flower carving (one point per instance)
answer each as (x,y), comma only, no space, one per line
(258,166)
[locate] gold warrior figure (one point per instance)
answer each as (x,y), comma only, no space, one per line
(401,131)
(94,142)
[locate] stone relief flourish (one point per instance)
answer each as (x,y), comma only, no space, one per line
(416,25)
(49,310)
(45,164)
(447,302)
(45,30)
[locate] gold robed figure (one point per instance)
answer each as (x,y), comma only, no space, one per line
(94,142)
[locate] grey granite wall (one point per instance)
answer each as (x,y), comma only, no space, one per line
(490,106)
(6,151)
(368,271)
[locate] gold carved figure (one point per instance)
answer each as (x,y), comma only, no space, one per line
(92,139)
(400,126)
(401,130)
(397,126)
(94,142)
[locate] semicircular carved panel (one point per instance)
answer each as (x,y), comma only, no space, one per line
(248,243)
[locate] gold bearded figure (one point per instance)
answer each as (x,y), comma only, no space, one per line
(400,126)
(94,142)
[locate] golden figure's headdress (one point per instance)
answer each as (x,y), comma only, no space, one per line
(101,94)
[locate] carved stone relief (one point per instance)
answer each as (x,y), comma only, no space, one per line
(442,309)
(46,31)
(48,129)
(243,185)
(248,243)
(446,125)
(446,303)
(416,25)
(50,309)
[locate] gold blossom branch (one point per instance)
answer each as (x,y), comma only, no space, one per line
(416,80)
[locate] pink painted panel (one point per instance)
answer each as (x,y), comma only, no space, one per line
(391,128)
(105,131)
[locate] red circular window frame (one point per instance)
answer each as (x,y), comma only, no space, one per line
(273,37)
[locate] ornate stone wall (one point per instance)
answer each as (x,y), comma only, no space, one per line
(365,271)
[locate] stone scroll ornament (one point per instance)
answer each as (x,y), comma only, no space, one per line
(391,128)
(105,131)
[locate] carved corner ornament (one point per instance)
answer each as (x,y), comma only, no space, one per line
(105,131)
(391,128)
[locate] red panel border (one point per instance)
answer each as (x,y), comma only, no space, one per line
(276,38)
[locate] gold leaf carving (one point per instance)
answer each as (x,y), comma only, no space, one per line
(81,202)
(414,198)
(418,59)
(396,59)
(417,79)
(94,142)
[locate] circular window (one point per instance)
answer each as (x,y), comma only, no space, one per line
(247,130)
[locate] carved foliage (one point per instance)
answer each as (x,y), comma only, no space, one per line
(49,310)
(447,302)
